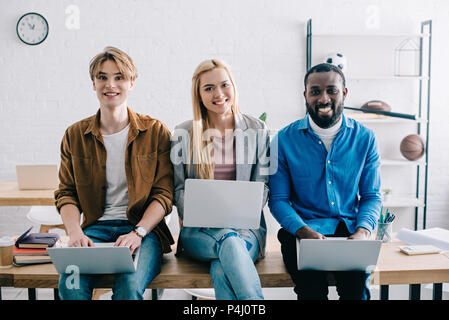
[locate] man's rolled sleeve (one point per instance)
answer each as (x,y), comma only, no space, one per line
(162,189)
(66,192)
(369,188)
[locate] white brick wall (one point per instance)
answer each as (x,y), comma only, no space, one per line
(45,88)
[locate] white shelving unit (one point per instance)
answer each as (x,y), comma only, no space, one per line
(403,202)
(401,162)
(331,41)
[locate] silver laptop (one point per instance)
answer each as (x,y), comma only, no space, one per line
(103,258)
(31,177)
(222,203)
(337,254)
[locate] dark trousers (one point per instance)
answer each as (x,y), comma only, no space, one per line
(313,285)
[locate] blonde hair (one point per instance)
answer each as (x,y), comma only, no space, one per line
(200,147)
(124,63)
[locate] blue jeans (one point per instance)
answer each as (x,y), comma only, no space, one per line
(127,286)
(231,254)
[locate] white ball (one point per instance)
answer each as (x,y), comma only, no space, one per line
(337,59)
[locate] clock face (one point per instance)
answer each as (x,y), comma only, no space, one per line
(32,28)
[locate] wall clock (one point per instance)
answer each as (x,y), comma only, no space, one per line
(32,28)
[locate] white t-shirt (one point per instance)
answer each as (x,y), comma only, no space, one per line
(326,135)
(116,186)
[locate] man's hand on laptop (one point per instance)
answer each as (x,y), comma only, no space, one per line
(130,240)
(307,233)
(80,240)
(360,234)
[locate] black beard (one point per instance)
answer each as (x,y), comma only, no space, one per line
(325,123)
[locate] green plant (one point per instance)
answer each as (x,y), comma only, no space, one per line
(263,117)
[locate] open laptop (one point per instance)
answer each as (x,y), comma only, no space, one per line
(339,254)
(222,203)
(103,258)
(36,177)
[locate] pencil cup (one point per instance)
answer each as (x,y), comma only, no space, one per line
(384,231)
(6,244)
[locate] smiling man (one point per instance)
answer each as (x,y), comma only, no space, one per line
(327,182)
(116,170)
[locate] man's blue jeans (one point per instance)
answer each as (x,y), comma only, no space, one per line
(127,286)
(231,254)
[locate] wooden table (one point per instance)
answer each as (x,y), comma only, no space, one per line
(176,273)
(395,267)
(10,195)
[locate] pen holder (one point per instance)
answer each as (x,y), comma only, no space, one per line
(384,231)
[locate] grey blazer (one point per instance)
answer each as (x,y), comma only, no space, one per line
(252,142)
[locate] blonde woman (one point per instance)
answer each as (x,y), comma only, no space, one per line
(223,144)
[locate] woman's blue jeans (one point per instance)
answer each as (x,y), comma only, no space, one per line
(231,254)
(127,286)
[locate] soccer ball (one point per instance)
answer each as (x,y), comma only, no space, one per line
(337,59)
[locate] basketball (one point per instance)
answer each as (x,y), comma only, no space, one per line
(376,105)
(412,147)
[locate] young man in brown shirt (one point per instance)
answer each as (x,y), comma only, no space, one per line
(116,170)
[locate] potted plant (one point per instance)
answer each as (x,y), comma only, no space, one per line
(386,193)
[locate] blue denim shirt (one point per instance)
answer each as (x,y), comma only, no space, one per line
(318,188)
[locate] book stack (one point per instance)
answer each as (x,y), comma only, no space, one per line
(31,248)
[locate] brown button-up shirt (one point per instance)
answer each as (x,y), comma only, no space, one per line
(149,171)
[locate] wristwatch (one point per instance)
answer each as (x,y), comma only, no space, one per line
(141,231)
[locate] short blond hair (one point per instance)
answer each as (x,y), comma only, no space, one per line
(124,63)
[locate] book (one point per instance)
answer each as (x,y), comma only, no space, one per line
(29,252)
(437,237)
(27,260)
(36,240)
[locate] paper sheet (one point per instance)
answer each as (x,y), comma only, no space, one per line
(435,236)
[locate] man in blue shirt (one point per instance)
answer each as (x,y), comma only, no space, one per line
(327,182)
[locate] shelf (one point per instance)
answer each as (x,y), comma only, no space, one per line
(391,120)
(403,202)
(386,78)
(374,118)
(376,78)
(366,35)
(402,162)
